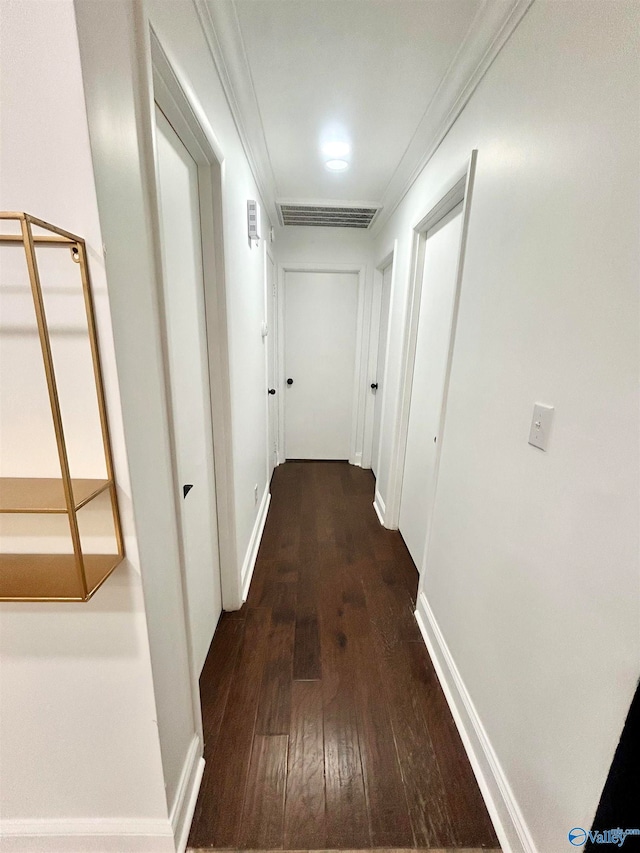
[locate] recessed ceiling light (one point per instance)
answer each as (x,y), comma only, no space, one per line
(336,149)
(337,165)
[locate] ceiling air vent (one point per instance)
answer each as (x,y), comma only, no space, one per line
(330,216)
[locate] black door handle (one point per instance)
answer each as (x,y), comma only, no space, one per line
(272,391)
(289,381)
(374,386)
(186,489)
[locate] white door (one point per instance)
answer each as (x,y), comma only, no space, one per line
(189,382)
(382,352)
(320,317)
(437,302)
(272,364)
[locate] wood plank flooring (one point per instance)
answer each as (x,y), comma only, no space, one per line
(325,725)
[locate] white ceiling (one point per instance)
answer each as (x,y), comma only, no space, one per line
(386,75)
(361,70)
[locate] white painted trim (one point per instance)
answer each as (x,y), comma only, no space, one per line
(378,505)
(359,406)
(457,189)
(489,32)
(491,29)
(182,840)
(254,543)
(271,340)
(317,267)
(160,77)
(176,96)
(359,410)
(266,256)
(221,28)
(372,366)
(99,835)
(185,114)
(387,260)
(184,803)
(509,823)
(280,274)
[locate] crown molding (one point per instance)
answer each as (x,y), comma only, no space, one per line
(221,29)
(492,27)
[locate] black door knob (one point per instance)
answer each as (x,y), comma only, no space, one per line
(289,381)
(272,391)
(374,386)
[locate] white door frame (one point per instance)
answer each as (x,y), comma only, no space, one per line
(388,260)
(457,189)
(195,133)
(272,340)
(356,443)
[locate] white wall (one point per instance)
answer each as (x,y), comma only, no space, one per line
(532,569)
(340,246)
(304,244)
(79,751)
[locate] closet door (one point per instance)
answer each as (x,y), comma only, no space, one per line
(320,317)
(437,302)
(189,382)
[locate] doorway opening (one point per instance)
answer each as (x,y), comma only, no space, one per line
(438,253)
(273,385)
(200,143)
(188,380)
(192,308)
(383,290)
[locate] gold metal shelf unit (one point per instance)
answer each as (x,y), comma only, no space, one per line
(73,576)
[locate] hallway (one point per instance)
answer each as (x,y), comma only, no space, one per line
(325,725)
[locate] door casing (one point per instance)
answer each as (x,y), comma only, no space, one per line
(437,302)
(458,188)
(199,139)
(379,370)
(271,359)
(166,91)
(187,376)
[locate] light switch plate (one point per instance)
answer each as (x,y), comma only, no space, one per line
(541,426)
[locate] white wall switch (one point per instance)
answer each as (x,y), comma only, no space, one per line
(541,426)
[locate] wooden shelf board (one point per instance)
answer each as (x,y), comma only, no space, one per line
(43,577)
(45,494)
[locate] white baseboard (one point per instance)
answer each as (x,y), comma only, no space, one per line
(254,543)
(112,835)
(378,505)
(504,811)
(356,459)
(106,835)
(184,803)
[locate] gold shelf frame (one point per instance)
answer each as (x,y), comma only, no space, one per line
(58,577)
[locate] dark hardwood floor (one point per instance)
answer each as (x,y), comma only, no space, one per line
(325,725)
